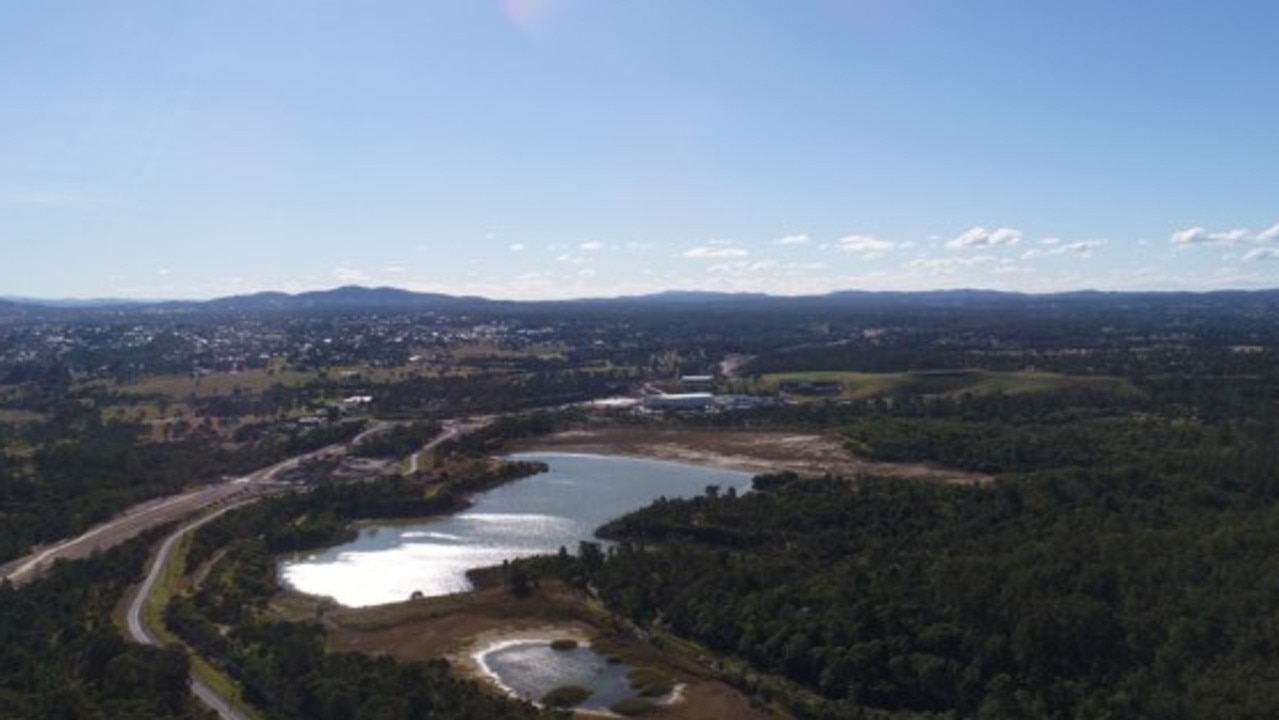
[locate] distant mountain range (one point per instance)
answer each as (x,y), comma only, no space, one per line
(356,298)
(72,302)
(351,297)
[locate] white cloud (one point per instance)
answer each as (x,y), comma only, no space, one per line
(591,246)
(797,239)
(1270,234)
(1201,236)
(715,250)
(980,237)
(1082,249)
(1262,254)
(395,270)
(741,267)
(517,247)
(865,245)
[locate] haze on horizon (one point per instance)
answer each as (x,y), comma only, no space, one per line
(568,148)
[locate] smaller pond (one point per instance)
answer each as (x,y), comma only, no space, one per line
(532,668)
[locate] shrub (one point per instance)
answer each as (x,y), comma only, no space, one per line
(566,696)
(632,706)
(649,682)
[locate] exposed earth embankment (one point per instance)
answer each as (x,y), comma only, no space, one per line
(805,453)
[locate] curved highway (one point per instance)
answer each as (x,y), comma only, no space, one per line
(136,617)
(163,510)
(235,493)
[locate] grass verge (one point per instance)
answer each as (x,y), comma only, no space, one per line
(166,586)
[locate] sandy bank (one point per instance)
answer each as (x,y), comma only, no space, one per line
(746,450)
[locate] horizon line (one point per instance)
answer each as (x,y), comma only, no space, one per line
(122,301)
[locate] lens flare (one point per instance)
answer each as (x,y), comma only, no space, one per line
(526,13)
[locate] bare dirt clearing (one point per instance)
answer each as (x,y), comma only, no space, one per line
(805,453)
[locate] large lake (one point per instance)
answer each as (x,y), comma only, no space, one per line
(539,514)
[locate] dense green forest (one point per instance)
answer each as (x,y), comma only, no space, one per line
(63,657)
(1073,595)
(1122,563)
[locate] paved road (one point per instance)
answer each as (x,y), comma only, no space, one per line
(375,427)
(128,524)
(136,617)
(452,429)
(162,510)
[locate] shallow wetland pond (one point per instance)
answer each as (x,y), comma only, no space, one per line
(531,669)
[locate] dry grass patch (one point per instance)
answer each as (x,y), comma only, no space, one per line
(457,626)
(252,382)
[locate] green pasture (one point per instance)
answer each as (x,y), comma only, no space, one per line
(861,385)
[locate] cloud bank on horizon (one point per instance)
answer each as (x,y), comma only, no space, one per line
(569,148)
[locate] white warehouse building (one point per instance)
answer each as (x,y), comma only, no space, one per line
(679,401)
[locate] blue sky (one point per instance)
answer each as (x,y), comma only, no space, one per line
(569,148)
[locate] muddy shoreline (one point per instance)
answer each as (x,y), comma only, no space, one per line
(804,453)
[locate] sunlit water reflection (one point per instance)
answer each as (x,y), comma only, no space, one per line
(532,669)
(539,514)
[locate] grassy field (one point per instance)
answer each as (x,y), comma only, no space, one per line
(255,382)
(20,417)
(251,382)
(859,385)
